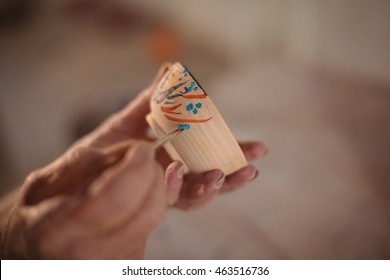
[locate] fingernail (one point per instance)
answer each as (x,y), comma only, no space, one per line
(265,150)
(180,172)
(255,175)
(220,181)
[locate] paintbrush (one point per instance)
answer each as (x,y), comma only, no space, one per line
(117,152)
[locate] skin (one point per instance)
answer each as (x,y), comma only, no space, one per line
(106,194)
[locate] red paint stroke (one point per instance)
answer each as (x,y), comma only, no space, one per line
(169,110)
(187,120)
(194,96)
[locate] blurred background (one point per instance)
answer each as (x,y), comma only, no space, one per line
(311,79)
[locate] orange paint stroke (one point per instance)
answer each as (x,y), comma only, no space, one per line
(195,96)
(170,110)
(187,120)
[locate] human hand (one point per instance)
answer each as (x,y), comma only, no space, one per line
(89,204)
(186,192)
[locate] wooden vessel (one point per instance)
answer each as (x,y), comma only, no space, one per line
(208,144)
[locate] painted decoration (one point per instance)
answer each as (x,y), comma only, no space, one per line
(181,98)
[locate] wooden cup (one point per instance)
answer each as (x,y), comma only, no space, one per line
(208,144)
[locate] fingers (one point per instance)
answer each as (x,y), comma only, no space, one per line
(240,178)
(116,193)
(200,189)
(128,123)
(69,173)
(253,150)
(237,180)
(174,180)
(123,189)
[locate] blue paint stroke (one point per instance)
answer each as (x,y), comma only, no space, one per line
(183,127)
(190,107)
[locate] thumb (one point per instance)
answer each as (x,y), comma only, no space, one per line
(126,189)
(174,181)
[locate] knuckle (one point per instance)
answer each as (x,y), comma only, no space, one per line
(35,186)
(35,178)
(78,153)
(84,154)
